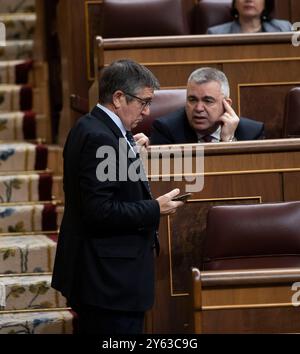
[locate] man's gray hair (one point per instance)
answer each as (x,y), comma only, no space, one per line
(204,75)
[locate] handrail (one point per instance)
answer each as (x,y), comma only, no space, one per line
(249,277)
(193,40)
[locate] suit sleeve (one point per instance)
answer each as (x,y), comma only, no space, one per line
(160,134)
(101,203)
(261,134)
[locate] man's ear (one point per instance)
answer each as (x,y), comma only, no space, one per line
(229,100)
(117,99)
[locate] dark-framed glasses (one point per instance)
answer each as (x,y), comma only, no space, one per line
(145,102)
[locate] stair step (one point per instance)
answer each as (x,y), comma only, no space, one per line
(55,159)
(19,26)
(14,50)
(22,157)
(28,218)
(15,98)
(26,188)
(13,6)
(22,126)
(48,322)
(57,189)
(15,71)
(23,98)
(29,292)
(26,254)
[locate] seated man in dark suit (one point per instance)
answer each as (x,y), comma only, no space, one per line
(207,115)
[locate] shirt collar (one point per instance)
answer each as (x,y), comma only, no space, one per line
(114,118)
(118,123)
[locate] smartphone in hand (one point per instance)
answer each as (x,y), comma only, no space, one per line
(182,197)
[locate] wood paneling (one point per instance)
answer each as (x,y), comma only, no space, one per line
(71,29)
(261,171)
(255,301)
(294,11)
(271,102)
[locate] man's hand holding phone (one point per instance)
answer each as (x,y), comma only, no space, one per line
(182,197)
(167,204)
(229,122)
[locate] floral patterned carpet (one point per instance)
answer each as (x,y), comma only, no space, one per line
(29,213)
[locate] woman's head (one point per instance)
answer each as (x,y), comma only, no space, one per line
(252,8)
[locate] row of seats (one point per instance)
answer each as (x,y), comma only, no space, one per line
(136,18)
(161,17)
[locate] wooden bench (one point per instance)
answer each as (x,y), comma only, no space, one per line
(246,301)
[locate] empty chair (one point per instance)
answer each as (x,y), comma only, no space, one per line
(210,13)
(252,236)
(164,102)
(251,264)
(292,113)
(136,18)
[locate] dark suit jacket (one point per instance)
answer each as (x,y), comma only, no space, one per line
(104,253)
(273,25)
(175,129)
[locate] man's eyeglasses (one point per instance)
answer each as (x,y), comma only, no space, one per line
(145,102)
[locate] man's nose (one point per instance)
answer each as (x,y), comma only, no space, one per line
(199,106)
(146,111)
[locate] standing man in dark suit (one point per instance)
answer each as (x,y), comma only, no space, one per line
(207,115)
(104,262)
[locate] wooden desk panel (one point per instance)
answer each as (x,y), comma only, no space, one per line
(247,301)
(269,172)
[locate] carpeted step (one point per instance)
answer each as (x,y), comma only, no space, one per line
(57,188)
(55,159)
(26,188)
(12,6)
(28,218)
(15,50)
(19,26)
(48,322)
(23,157)
(15,71)
(22,126)
(29,292)
(26,254)
(15,98)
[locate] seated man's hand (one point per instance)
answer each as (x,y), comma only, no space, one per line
(229,122)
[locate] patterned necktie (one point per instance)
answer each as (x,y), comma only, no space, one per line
(132,142)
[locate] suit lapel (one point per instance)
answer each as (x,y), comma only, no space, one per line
(190,136)
(104,118)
